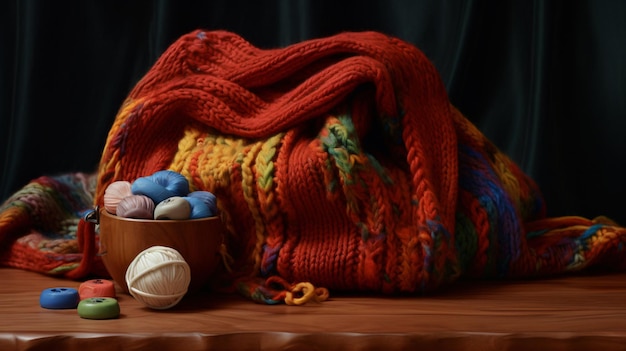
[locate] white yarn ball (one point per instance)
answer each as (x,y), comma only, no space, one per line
(158,277)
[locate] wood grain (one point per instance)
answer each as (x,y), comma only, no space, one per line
(576,312)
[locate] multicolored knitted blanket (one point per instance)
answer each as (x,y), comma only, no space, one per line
(338,161)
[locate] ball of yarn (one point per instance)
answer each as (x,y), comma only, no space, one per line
(199,208)
(208,198)
(114,193)
(161,185)
(175,207)
(158,277)
(136,206)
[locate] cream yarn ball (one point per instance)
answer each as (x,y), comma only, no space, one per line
(158,277)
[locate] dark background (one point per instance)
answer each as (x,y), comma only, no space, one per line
(544,80)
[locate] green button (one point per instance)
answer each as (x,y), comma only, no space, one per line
(99,308)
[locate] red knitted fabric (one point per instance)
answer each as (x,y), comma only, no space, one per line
(219,81)
(339,161)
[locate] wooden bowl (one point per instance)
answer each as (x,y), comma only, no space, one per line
(197,240)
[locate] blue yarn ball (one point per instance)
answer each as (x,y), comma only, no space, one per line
(161,185)
(207,197)
(199,209)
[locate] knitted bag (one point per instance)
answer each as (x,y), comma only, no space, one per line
(339,161)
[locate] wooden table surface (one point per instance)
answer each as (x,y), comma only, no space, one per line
(576,312)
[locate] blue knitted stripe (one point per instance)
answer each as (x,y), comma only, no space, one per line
(478,178)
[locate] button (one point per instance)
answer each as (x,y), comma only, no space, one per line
(59,298)
(96,288)
(99,308)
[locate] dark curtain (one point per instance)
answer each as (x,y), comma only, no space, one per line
(545,80)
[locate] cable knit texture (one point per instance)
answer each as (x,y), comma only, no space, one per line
(341,162)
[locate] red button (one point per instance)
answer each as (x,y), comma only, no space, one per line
(96,288)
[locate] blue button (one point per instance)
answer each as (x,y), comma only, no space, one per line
(59,298)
